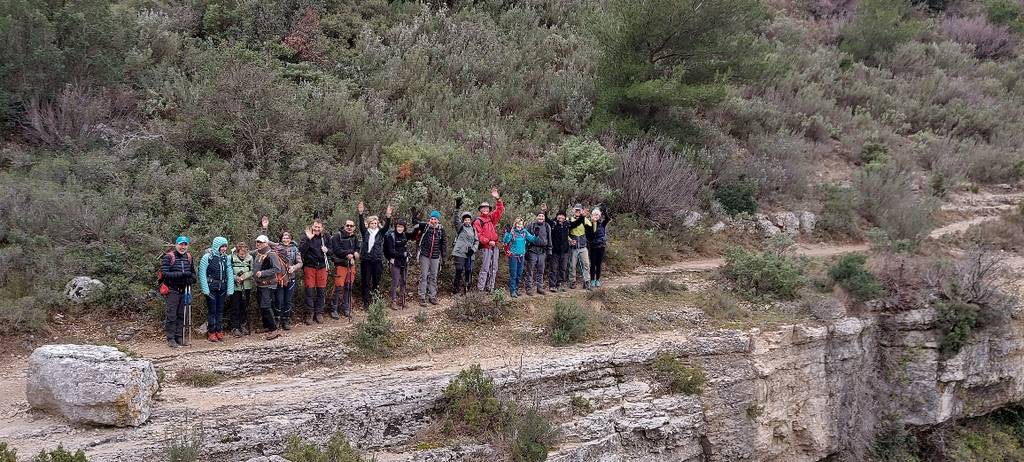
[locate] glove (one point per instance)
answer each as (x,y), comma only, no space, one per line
(458,203)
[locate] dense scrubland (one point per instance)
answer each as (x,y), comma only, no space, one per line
(127,122)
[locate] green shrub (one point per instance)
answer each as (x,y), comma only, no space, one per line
(955,321)
(471,402)
(376,335)
(60,455)
(877,26)
(479,307)
(201,378)
(532,437)
(758,274)
(851,273)
(580,405)
(651,72)
(893,443)
(838,216)
(887,199)
(720,305)
(7,454)
(569,323)
(737,197)
(660,284)
(678,376)
(1004,12)
(338,450)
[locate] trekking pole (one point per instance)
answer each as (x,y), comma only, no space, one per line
(188,315)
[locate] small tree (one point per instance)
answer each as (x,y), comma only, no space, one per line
(879,25)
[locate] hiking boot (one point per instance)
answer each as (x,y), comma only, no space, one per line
(316,318)
(212,337)
(530,292)
(541,292)
(433,301)
(236,333)
(562,289)
(347,314)
(308,320)
(171,343)
(273,334)
(423,302)
(245,330)
(334,314)
(220,336)
(285,326)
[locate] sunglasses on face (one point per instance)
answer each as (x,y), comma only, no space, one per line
(350,226)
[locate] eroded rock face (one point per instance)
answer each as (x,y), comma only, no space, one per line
(91,384)
(801,392)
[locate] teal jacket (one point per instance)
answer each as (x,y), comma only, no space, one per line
(221,266)
(517,239)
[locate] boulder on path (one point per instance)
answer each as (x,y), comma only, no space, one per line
(91,384)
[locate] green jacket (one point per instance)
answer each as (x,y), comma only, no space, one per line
(243,269)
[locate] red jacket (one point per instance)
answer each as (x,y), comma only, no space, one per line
(487,226)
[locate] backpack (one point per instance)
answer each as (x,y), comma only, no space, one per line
(282,253)
(161,287)
(280,278)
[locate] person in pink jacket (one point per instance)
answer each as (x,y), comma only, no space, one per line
(486,226)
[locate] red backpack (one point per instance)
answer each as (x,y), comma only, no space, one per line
(163,289)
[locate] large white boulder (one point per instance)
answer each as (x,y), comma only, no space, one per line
(91,384)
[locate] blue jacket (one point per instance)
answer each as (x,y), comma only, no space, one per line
(517,240)
(215,269)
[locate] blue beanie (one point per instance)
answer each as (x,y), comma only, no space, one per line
(182,240)
(435,214)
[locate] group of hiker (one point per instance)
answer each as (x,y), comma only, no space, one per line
(561,251)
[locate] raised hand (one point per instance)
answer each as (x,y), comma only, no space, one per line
(265,221)
(458,202)
(387,212)
(494,193)
(360,207)
(309,233)
(544,207)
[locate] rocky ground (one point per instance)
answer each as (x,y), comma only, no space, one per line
(788,387)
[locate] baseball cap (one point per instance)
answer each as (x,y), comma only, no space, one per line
(578,207)
(262,238)
(182,240)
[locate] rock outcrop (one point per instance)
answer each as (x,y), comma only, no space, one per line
(91,384)
(801,392)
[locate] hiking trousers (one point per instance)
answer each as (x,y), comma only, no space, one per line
(372,272)
(429,267)
(535,263)
(399,275)
(488,267)
(285,301)
(215,311)
(579,263)
(463,274)
(558,269)
(596,261)
(344,278)
(174,320)
(240,309)
(515,272)
(267,297)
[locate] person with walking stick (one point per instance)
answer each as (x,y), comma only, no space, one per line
(177,274)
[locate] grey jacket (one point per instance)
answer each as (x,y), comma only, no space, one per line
(266,267)
(542,245)
(465,237)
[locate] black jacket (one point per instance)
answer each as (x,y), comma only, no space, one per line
(396,247)
(377,252)
(542,231)
(559,236)
(432,242)
(342,245)
(179,275)
(312,254)
(596,234)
